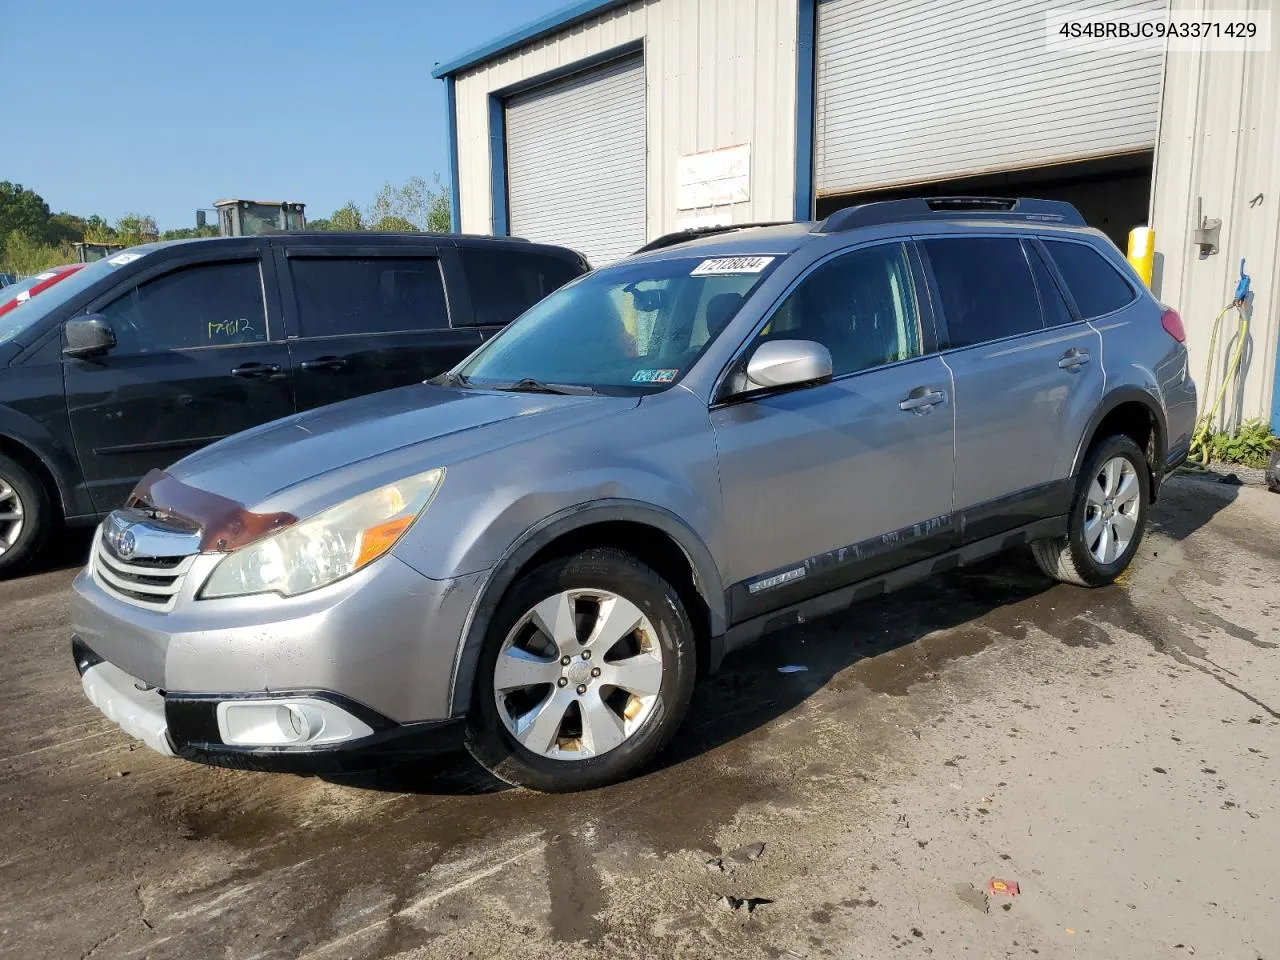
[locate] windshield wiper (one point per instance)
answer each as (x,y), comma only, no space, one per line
(449,378)
(531,385)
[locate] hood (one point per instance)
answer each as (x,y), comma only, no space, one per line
(415,427)
(8,351)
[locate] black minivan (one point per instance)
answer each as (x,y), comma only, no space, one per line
(142,357)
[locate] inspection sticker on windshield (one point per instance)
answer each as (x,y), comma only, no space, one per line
(655,376)
(120,259)
(708,268)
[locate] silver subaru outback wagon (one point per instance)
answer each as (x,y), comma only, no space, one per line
(542,549)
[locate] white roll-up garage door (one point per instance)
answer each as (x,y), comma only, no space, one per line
(912,90)
(575,162)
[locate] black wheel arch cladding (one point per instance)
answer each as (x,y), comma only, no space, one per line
(559,526)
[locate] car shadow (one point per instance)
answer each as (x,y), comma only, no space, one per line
(883,645)
(65,550)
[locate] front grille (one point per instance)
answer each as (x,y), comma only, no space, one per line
(151,582)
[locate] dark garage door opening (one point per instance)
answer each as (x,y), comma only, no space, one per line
(1112,193)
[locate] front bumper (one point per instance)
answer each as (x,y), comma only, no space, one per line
(194,727)
(386,638)
(136,708)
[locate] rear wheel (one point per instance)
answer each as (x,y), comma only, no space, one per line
(25,515)
(586,673)
(1107,520)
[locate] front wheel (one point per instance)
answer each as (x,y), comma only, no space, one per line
(1107,520)
(586,672)
(25,515)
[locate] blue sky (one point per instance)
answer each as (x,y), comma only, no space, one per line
(163,106)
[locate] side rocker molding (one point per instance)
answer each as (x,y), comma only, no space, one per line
(503,573)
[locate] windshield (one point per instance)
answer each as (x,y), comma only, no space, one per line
(25,315)
(633,328)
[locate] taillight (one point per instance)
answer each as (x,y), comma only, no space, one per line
(1172,324)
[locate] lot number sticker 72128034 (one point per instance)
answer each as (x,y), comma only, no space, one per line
(709,268)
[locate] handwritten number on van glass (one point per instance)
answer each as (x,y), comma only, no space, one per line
(225,329)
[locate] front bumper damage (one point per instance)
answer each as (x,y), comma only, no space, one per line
(313,730)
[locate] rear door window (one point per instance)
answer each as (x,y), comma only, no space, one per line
(208,305)
(363,295)
(986,288)
(505,283)
(1097,286)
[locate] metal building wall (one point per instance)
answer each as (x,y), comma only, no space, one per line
(1219,143)
(719,73)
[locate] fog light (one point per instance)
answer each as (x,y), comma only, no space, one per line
(296,721)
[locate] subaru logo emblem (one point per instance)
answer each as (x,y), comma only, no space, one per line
(126,544)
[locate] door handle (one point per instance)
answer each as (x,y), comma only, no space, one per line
(922,399)
(324,364)
(1073,359)
(255,370)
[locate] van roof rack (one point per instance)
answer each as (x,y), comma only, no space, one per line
(999,209)
(693,233)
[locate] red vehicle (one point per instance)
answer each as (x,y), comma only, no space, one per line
(22,291)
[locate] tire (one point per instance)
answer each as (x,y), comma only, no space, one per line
(25,515)
(1076,557)
(574,745)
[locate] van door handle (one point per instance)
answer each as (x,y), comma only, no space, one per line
(325,364)
(922,399)
(256,371)
(1073,359)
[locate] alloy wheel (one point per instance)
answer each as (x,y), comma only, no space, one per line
(12,516)
(1112,506)
(578,674)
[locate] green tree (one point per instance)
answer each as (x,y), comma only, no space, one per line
(65,228)
(135,228)
(320,223)
(189,233)
(347,218)
(23,211)
(25,256)
(393,224)
(97,230)
(417,203)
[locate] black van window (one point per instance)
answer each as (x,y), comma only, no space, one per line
(344,295)
(505,283)
(1056,311)
(1096,285)
(209,305)
(986,288)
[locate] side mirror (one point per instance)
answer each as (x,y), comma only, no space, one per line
(783,363)
(88,336)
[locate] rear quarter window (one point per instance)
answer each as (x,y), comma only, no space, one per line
(505,283)
(1097,286)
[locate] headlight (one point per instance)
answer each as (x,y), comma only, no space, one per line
(331,545)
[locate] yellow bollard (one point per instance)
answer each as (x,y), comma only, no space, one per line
(1142,251)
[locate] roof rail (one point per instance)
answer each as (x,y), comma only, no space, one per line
(693,233)
(1020,210)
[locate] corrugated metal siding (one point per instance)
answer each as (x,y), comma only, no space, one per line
(718,73)
(1219,141)
(916,90)
(575,162)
